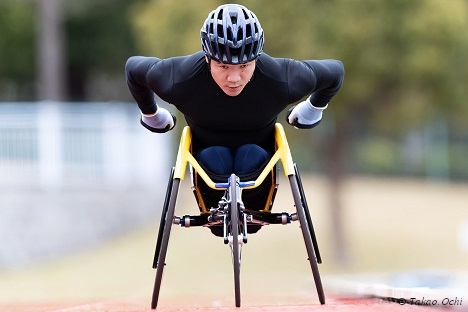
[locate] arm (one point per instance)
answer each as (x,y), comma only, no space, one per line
(328,76)
(138,70)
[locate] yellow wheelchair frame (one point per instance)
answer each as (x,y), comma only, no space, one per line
(231,213)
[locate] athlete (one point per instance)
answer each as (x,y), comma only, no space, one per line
(231,92)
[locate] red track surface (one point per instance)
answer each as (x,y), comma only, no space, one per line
(338,304)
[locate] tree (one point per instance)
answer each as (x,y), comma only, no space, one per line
(50,47)
(96,41)
(166,28)
(17,68)
(100,40)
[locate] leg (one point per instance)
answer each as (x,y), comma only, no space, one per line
(217,159)
(249,158)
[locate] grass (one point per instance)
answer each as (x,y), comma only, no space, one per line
(389,225)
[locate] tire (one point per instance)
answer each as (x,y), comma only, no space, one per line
(164,242)
(307,214)
(234,229)
(307,237)
(162,221)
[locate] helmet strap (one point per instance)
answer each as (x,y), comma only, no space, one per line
(208,60)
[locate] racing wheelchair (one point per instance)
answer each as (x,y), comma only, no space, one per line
(230,218)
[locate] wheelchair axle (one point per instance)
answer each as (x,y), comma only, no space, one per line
(216,217)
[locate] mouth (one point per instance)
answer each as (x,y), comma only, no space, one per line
(233,88)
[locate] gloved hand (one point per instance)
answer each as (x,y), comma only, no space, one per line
(160,122)
(304,115)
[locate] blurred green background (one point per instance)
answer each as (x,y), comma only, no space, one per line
(401,110)
(401,115)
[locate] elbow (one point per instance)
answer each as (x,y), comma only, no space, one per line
(133,68)
(340,68)
(336,71)
(129,64)
(340,72)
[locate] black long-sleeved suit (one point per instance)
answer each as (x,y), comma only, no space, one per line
(218,119)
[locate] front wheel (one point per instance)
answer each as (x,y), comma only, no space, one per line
(234,233)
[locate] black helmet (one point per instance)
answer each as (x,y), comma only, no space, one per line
(232,35)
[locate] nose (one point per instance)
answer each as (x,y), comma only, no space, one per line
(233,75)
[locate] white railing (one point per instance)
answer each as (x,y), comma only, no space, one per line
(75,174)
(79,145)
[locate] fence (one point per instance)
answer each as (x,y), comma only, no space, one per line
(74,174)
(80,145)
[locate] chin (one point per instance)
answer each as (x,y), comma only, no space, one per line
(233,93)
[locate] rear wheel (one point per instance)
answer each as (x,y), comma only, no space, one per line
(234,229)
(307,237)
(307,215)
(162,221)
(166,232)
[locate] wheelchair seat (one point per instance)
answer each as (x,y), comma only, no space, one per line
(260,198)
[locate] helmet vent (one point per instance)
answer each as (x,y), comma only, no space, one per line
(248,31)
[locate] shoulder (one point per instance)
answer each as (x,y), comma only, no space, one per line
(154,64)
(282,68)
(189,60)
(178,68)
(140,64)
(291,69)
(326,65)
(270,66)
(185,67)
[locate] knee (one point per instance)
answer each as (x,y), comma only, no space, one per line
(249,158)
(217,159)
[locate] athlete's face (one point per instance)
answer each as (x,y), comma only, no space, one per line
(232,78)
